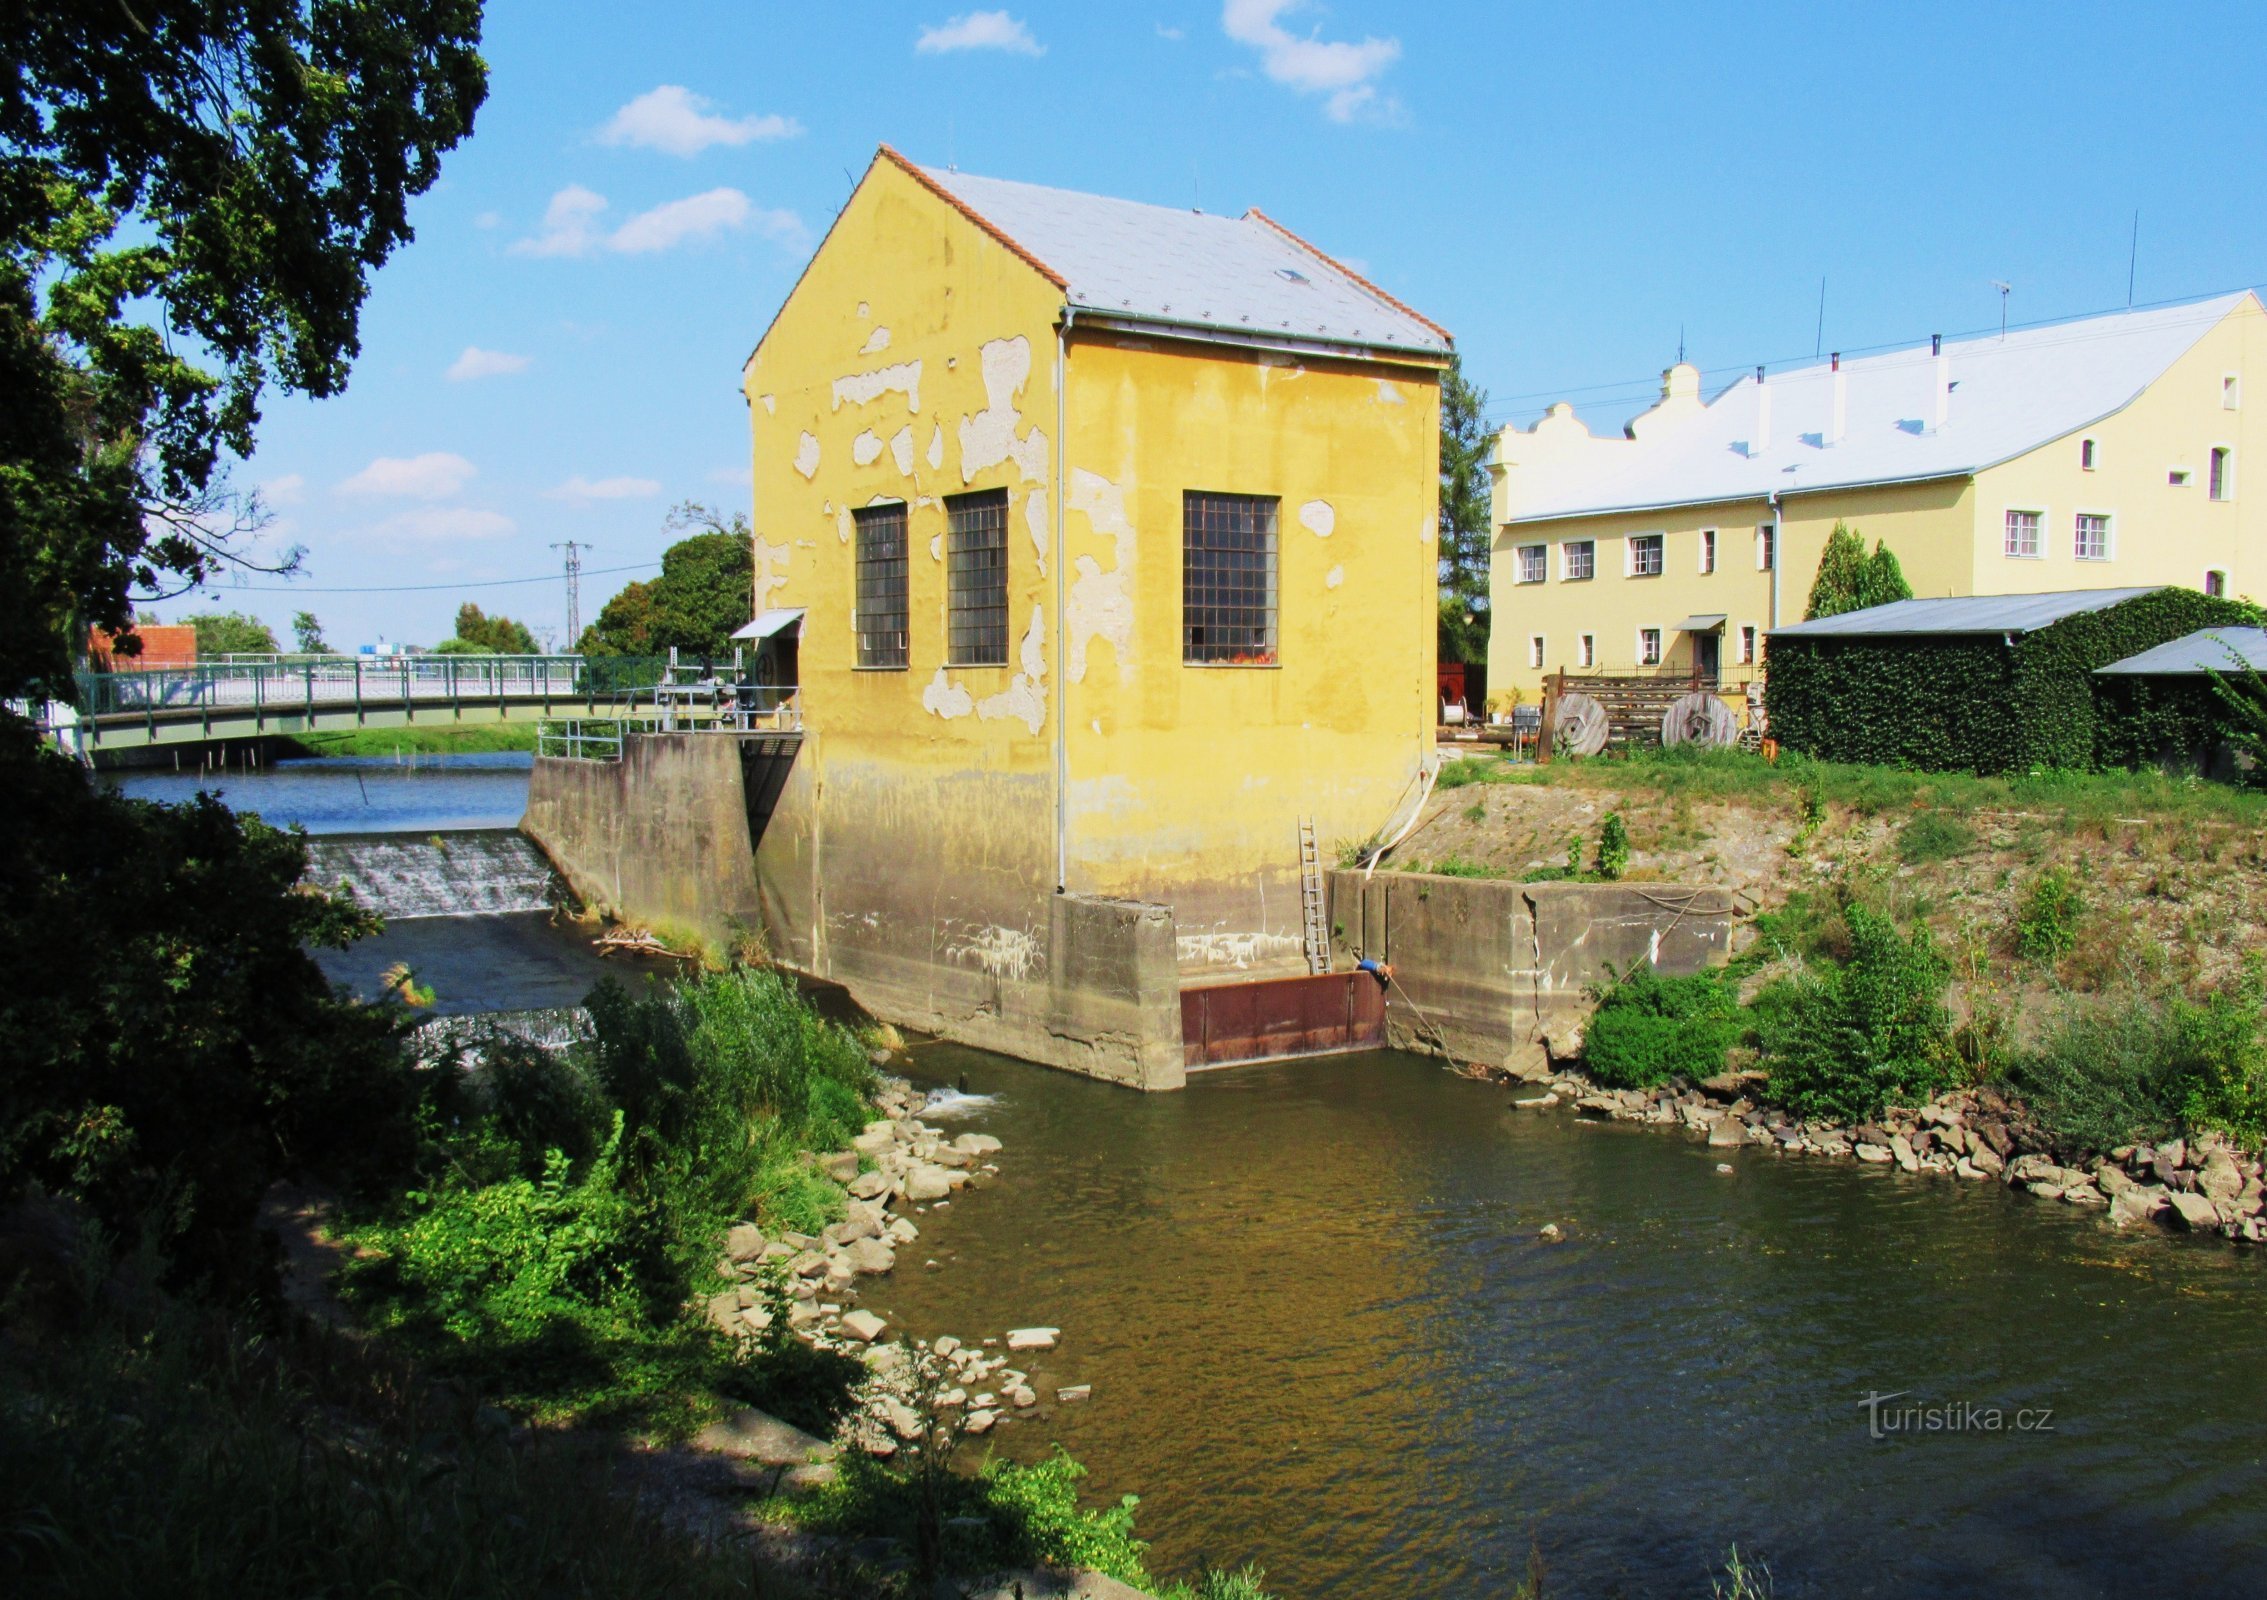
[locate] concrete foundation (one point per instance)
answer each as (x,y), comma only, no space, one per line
(1486,967)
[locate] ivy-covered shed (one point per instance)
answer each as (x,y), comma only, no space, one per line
(2170,706)
(1977,683)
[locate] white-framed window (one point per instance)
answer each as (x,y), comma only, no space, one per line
(1535,651)
(2090,536)
(2087,456)
(1645,554)
(1649,647)
(1587,650)
(1578,560)
(1766,550)
(2220,473)
(2231,392)
(2216,584)
(1747,644)
(1531,563)
(1708,550)
(2179,477)
(2025,541)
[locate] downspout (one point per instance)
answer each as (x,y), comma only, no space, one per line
(1062,640)
(1778,555)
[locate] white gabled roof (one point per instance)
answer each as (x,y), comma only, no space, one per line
(1968,613)
(2009,395)
(1241,277)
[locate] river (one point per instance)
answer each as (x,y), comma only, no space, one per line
(1323,1334)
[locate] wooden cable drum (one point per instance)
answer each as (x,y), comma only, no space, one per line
(1580,728)
(1699,718)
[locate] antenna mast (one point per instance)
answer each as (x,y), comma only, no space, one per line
(2005,288)
(574,588)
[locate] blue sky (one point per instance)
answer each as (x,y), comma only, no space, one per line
(1566,187)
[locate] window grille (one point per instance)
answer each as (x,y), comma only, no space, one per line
(1228,578)
(2091,541)
(1649,647)
(976,579)
(1645,555)
(882,640)
(1581,558)
(2023,533)
(1534,560)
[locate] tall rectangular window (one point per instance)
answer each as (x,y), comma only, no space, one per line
(1645,555)
(1588,653)
(2216,584)
(1578,559)
(1228,579)
(2090,539)
(976,579)
(2023,534)
(1708,550)
(1535,650)
(882,637)
(1747,645)
(1534,563)
(2086,455)
(1766,547)
(1649,647)
(2221,481)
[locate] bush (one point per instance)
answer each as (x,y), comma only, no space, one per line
(1648,1029)
(1934,836)
(2046,923)
(1844,1040)
(1613,847)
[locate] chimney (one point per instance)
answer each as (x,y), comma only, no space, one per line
(1943,380)
(1841,401)
(1762,416)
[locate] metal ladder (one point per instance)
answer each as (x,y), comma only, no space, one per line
(1310,899)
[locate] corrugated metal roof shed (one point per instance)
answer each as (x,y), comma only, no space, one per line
(2194,654)
(1234,275)
(1978,613)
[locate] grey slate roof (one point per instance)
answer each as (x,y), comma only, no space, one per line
(1976,613)
(2194,654)
(1234,275)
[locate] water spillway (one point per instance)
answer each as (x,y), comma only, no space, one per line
(471,873)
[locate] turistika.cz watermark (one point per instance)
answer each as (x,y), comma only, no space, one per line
(1887,1418)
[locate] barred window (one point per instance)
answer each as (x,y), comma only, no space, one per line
(1645,555)
(2023,534)
(976,579)
(2091,539)
(881,586)
(1578,559)
(1228,578)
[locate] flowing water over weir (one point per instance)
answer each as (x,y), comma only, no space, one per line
(476,873)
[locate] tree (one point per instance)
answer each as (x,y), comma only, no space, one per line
(307,634)
(192,196)
(701,598)
(1466,535)
(484,635)
(232,633)
(1883,580)
(1841,572)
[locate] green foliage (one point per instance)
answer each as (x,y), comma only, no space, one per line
(231,633)
(1843,1040)
(171,1048)
(479,634)
(701,597)
(1976,703)
(1934,836)
(1573,856)
(192,193)
(1613,847)
(1245,1583)
(1648,1029)
(1454,866)
(1467,770)
(473,739)
(1841,573)
(307,635)
(1466,531)
(2046,920)
(1883,580)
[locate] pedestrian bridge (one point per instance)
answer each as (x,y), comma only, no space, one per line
(123,712)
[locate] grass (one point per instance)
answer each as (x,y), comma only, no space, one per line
(479,739)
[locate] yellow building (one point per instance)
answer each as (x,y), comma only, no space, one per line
(2102,453)
(1105,537)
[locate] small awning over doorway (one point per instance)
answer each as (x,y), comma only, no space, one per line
(774,622)
(1712,622)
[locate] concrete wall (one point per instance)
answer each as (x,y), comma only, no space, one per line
(660,836)
(1488,965)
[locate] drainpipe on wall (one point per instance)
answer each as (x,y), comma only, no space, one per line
(1778,555)
(1062,639)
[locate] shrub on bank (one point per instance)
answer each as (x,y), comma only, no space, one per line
(1648,1029)
(1844,1039)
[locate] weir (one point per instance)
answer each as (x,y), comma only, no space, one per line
(473,873)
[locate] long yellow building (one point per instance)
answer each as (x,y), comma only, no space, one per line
(1100,538)
(2103,453)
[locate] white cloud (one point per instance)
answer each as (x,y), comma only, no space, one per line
(733,477)
(479,363)
(1341,70)
(433,476)
(571,228)
(446,522)
(1176,35)
(584,490)
(287,490)
(979,30)
(569,224)
(676,120)
(489,219)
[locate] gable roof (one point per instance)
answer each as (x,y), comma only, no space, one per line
(1974,613)
(1247,279)
(2009,395)
(2194,654)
